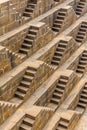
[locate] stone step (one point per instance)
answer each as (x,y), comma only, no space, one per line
(82,29)
(27,40)
(84,26)
(31,5)
(79,10)
(82,105)
(84,91)
(81,66)
(27,14)
(19,95)
(82,62)
(63,81)
(58,53)
(82,2)
(62,13)
(80,70)
(25,83)
(57,95)
(7,104)
(60,128)
(25,127)
(33,69)
(59,21)
(55,29)
(31,117)
(28,121)
(55,100)
(83,95)
(57,89)
(61,86)
(83,100)
(55,62)
(63,124)
(28,78)
(78,40)
(60,17)
(30,73)
(23,50)
(29,9)
(62,44)
(57,25)
(81,33)
(28,46)
(84,57)
(57,57)
(33,31)
(31,36)
(79,36)
(60,49)
(22,89)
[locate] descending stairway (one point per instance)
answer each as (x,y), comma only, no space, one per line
(60,50)
(14,57)
(27,123)
(29,9)
(8,105)
(59,90)
(82,104)
(63,124)
(24,85)
(58,23)
(80,37)
(82,63)
(29,40)
(80,7)
(7,109)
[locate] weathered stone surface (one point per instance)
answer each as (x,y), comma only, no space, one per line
(43,64)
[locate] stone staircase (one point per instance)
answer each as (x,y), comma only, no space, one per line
(82,103)
(82,32)
(27,122)
(29,40)
(14,57)
(24,85)
(38,117)
(7,105)
(52,68)
(6,109)
(82,63)
(63,124)
(59,90)
(80,7)
(66,123)
(58,23)
(59,53)
(29,10)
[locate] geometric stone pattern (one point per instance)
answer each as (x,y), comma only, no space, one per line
(43,64)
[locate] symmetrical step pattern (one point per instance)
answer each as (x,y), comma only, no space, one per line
(63,124)
(58,23)
(24,85)
(82,63)
(29,9)
(82,32)
(7,105)
(29,40)
(80,7)
(59,90)
(6,109)
(14,57)
(27,123)
(82,104)
(62,45)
